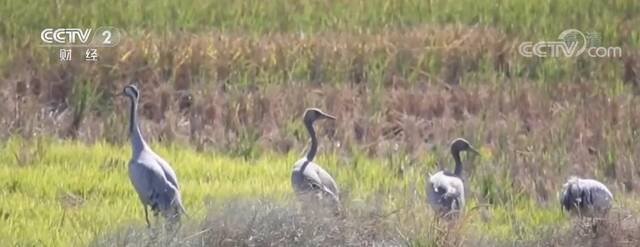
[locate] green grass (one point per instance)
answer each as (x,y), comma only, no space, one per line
(68,193)
(522,17)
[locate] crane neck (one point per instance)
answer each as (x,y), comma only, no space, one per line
(137,141)
(456,157)
(314,141)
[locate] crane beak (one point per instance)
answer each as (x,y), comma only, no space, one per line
(474,151)
(327,116)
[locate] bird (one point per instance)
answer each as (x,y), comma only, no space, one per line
(308,178)
(445,190)
(586,197)
(153,179)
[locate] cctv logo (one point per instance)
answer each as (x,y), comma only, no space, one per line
(65,36)
(81,37)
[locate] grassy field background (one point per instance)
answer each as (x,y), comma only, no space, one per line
(224,85)
(66,193)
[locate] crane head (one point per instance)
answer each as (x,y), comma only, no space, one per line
(460,144)
(131,91)
(313,114)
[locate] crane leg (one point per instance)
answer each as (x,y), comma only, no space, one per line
(146,216)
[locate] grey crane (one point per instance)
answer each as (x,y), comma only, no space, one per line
(445,190)
(308,178)
(586,197)
(152,177)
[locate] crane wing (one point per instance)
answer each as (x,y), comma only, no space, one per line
(152,185)
(445,192)
(450,184)
(312,177)
(327,181)
(167,170)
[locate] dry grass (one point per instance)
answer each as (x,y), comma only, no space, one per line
(620,228)
(267,223)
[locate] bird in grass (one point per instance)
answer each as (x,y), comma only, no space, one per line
(152,177)
(586,198)
(445,190)
(307,177)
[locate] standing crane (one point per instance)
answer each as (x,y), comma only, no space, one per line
(152,177)
(445,190)
(308,178)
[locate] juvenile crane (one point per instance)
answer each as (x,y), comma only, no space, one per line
(152,177)
(308,178)
(445,190)
(586,197)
